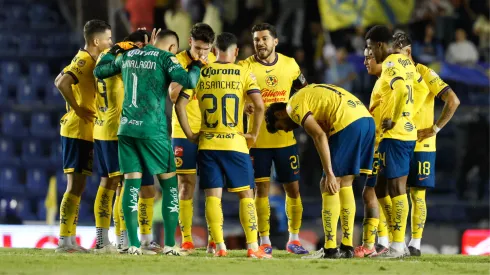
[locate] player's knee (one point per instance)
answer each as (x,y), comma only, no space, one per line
(262,189)
(292,189)
(186,186)
(369,197)
(396,187)
(76,184)
(245,194)
(147,192)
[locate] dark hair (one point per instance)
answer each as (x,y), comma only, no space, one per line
(401,40)
(137,36)
(225,40)
(265,27)
(202,32)
(168,33)
(270,116)
(94,26)
(379,33)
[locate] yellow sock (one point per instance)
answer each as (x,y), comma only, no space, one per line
(185,219)
(399,217)
(248,219)
(369,231)
(145,215)
(382,225)
(330,218)
(386,207)
(116,218)
(294,212)
(122,222)
(73,228)
(347,214)
(68,208)
(419,211)
(263,215)
(214,218)
(103,207)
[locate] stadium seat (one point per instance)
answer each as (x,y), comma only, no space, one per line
(38,73)
(25,210)
(32,154)
(52,96)
(13,126)
(4,95)
(27,95)
(10,72)
(41,210)
(7,153)
(60,182)
(10,184)
(41,126)
(37,183)
(86,213)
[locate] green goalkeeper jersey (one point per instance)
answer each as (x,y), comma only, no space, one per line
(146,73)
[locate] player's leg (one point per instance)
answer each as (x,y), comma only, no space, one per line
(145,213)
(262,163)
(185,154)
(240,179)
(286,164)
(105,152)
(421,177)
(385,237)
(123,237)
(370,222)
(347,216)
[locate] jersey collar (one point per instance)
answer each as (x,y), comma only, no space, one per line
(84,50)
(267,64)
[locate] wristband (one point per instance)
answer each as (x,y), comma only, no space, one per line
(435,128)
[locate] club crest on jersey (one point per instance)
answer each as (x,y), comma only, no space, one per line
(179,151)
(178,162)
(81,63)
(390,64)
(271,80)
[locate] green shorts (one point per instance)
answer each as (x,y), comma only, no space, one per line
(156,155)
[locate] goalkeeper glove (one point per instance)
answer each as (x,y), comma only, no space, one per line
(196,63)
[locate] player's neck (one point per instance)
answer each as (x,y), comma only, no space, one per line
(270,59)
(92,50)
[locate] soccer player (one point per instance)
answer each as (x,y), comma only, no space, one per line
(77,86)
(109,103)
(185,152)
(344,134)
(374,220)
(143,138)
(398,78)
(223,151)
(422,168)
(276,75)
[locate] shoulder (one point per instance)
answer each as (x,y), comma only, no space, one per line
(102,54)
(247,62)
(285,59)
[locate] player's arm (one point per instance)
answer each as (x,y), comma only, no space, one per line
(399,89)
(320,139)
(187,79)
(108,66)
(174,90)
(300,81)
(259,109)
(180,110)
(64,82)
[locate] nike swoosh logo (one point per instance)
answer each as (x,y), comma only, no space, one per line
(296,172)
(423,178)
(268,71)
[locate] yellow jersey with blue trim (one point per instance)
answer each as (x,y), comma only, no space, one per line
(332,107)
(425,116)
(375,110)
(221,94)
(84,89)
(192,108)
(398,67)
(275,81)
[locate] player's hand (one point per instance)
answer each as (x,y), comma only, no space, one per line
(85,114)
(197,63)
(250,138)
(329,184)
(249,108)
(425,133)
(153,37)
(194,138)
(116,49)
(387,124)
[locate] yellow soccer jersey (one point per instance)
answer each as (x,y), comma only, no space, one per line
(275,81)
(425,116)
(110,97)
(221,94)
(332,107)
(375,110)
(192,109)
(81,69)
(397,67)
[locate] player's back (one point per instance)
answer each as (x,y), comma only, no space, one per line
(221,92)
(330,105)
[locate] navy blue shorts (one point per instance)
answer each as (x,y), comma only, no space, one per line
(422,170)
(185,153)
(286,163)
(78,155)
(352,149)
(214,166)
(371,179)
(107,161)
(395,157)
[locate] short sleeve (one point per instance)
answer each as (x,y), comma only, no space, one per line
(391,73)
(250,83)
(436,85)
(299,79)
(298,109)
(189,93)
(79,67)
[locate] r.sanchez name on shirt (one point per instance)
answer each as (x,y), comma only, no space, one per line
(220,84)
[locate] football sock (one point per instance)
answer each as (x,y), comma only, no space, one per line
(293,237)
(116,218)
(170,208)
(123,237)
(386,206)
(73,229)
(399,218)
(265,240)
(369,226)
(383,231)
(102,212)
(130,209)
(263,215)
(145,218)
(248,219)
(214,218)
(294,212)
(419,212)
(68,209)
(220,246)
(185,219)
(347,214)
(415,243)
(330,218)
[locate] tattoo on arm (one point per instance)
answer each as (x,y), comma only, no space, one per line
(448,110)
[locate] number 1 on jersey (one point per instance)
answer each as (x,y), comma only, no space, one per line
(135,91)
